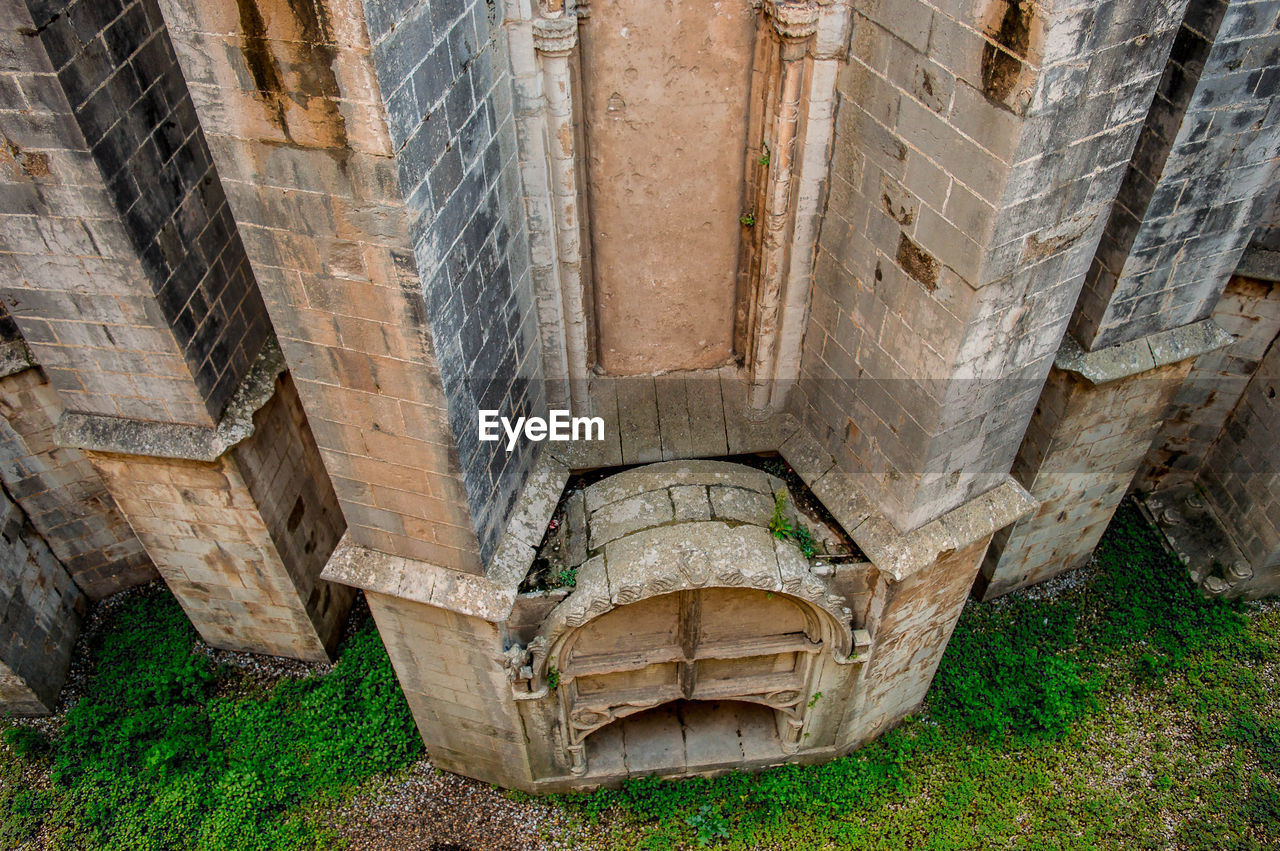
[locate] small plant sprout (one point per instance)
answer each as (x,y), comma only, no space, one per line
(764,155)
(813,701)
(553,677)
(784,530)
(747,220)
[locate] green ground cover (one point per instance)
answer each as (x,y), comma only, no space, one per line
(1125,712)
(165,751)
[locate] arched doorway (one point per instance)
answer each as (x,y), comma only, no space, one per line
(702,644)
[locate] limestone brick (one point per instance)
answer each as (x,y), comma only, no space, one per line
(1250,311)
(969,184)
(369,156)
(1083,446)
(241,540)
(42,609)
(121,262)
(62,495)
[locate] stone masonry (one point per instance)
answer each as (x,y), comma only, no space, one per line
(1197,187)
(62,495)
(40,613)
(978,149)
(1250,312)
(970,271)
(403,303)
(239,522)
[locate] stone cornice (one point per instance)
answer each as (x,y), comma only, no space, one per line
(120,436)
(1141,355)
(894,553)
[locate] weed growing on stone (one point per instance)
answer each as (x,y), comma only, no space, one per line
(784,530)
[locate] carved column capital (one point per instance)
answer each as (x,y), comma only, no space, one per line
(793,19)
(555,36)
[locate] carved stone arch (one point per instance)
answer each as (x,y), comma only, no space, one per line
(690,611)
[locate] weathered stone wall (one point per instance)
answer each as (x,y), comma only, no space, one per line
(1241,476)
(1200,180)
(40,613)
(1250,311)
(241,540)
(911,624)
(977,150)
(451,668)
(446,85)
(368,155)
(1082,448)
(62,495)
(124,268)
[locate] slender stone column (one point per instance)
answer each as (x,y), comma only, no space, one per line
(555,38)
(795,23)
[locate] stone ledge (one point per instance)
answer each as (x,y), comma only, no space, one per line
(15,357)
(491,596)
(120,436)
(1141,355)
(1260,263)
(894,553)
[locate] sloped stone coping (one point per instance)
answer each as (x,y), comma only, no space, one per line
(1143,354)
(900,554)
(490,596)
(121,436)
(15,357)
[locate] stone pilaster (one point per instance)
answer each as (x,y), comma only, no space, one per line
(1090,433)
(239,519)
(978,149)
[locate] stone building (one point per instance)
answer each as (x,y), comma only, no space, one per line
(973,269)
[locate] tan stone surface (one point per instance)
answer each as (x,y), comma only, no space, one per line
(241,541)
(665,95)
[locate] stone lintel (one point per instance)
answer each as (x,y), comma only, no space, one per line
(1141,355)
(491,596)
(15,357)
(899,554)
(121,436)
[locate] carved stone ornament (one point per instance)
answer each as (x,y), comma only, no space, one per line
(555,36)
(793,19)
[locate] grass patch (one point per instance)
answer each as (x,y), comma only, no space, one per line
(1128,712)
(152,757)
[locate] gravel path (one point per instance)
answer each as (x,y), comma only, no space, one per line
(429,810)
